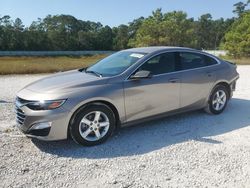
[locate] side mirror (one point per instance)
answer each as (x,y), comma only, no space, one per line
(141,75)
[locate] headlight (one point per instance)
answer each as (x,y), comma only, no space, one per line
(45,105)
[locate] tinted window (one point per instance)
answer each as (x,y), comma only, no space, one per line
(210,61)
(193,60)
(160,64)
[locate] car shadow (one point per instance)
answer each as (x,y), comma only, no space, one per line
(5,102)
(154,135)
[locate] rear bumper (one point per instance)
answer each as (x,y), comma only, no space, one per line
(233,86)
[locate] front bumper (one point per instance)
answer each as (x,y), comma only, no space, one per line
(58,120)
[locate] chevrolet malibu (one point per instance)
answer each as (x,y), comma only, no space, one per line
(124,88)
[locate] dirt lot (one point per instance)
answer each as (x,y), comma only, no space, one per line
(188,150)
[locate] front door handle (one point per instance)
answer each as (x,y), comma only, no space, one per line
(174,80)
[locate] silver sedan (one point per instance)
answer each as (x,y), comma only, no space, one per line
(127,87)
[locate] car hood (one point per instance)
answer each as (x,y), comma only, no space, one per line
(65,82)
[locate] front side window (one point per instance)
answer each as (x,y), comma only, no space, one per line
(116,63)
(164,63)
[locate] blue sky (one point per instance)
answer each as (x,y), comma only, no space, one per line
(112,12)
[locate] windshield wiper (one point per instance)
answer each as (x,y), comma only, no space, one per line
(93,72)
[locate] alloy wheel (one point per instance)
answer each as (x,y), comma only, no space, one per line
(219,100)
(94,126)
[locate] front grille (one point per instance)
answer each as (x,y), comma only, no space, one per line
(20,116)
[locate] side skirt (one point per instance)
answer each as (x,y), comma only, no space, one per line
(160,116)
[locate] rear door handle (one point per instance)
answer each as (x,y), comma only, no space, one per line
(174,80)
(209,74)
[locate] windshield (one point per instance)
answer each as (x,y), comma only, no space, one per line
(115,64)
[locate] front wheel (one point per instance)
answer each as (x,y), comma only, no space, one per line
(92,125)
(218,100)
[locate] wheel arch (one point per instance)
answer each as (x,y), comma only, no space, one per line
(223,83)
(105,102)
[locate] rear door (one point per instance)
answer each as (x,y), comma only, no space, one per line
(198,76)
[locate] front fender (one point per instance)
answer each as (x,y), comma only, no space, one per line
(110,93)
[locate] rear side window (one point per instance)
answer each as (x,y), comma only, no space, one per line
(164,63)
(190,60)
(210,61)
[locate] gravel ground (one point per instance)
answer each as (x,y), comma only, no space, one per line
(188,150)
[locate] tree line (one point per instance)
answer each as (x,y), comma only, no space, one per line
(65,32)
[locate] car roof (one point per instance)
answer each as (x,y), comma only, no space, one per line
(152,49)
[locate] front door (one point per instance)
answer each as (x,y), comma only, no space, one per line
(155,95)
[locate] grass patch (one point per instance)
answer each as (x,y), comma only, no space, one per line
(238,61)
(34,65)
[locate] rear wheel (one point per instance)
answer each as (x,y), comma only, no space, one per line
(93,125)
(218,100)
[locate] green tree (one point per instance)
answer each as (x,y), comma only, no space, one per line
(104,39)
(204,32)
(240,7)
(173,29)
(134,26)
(6,33)
(120,37)
(62,31)
(210,33)
(36,38)
(17,40)
(65,32)
(87,40)
(237,40)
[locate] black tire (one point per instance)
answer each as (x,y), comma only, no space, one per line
(75,126)
(211,108)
